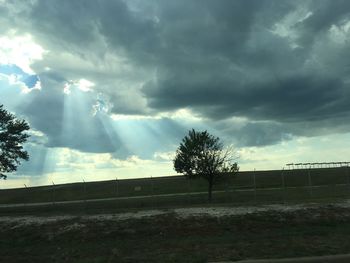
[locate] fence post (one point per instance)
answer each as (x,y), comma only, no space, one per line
(188,189)
(254,182)
(347,175)
(116,191)
(152,193)
(283,186)
(84,187)
(85,197)
(310,182)
(53,193)
(26,193)
(116,187)
(226,190)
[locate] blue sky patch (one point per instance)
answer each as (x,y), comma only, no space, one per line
(10,69)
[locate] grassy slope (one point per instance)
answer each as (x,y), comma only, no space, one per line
(331,184)
(167,238)
(177,184)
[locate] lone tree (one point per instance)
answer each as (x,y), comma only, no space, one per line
(12,137)
(203,155)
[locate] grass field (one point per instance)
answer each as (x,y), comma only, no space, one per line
(170,238)
(274,186)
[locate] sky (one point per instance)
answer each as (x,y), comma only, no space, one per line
(110,87)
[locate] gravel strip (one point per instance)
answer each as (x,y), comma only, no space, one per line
(179,212)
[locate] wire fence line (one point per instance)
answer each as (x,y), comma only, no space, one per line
(282,186)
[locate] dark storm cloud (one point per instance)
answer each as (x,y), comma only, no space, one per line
(292,98)
(325,14)
(275,63)
(260,74)
(257,75)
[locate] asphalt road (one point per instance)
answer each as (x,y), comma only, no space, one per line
(322,259)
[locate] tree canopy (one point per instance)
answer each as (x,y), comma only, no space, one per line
(201,154)
(12,137)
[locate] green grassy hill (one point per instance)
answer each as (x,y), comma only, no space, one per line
(248,187)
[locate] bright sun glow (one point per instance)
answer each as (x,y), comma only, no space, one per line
(82,84)
(21,51)
(178,114)
(85,85)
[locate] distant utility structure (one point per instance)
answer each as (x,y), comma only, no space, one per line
(317,165)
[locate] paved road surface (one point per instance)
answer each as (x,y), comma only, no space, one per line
(324,259)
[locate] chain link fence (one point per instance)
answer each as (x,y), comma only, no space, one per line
(244,188)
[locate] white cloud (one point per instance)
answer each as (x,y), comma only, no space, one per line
(164,156)
(285,28)
(81,84)
(64,165)
(85,85)
(340,33)
(21,51)
(180,114)
(298,150)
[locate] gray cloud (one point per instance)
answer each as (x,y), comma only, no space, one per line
(276,63)
(324,15)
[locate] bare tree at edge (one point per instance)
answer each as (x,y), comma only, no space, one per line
(201,154)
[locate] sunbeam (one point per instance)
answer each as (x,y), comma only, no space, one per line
(82,128)
(145,136)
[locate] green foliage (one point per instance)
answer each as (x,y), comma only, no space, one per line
(12,137)
(201,154)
